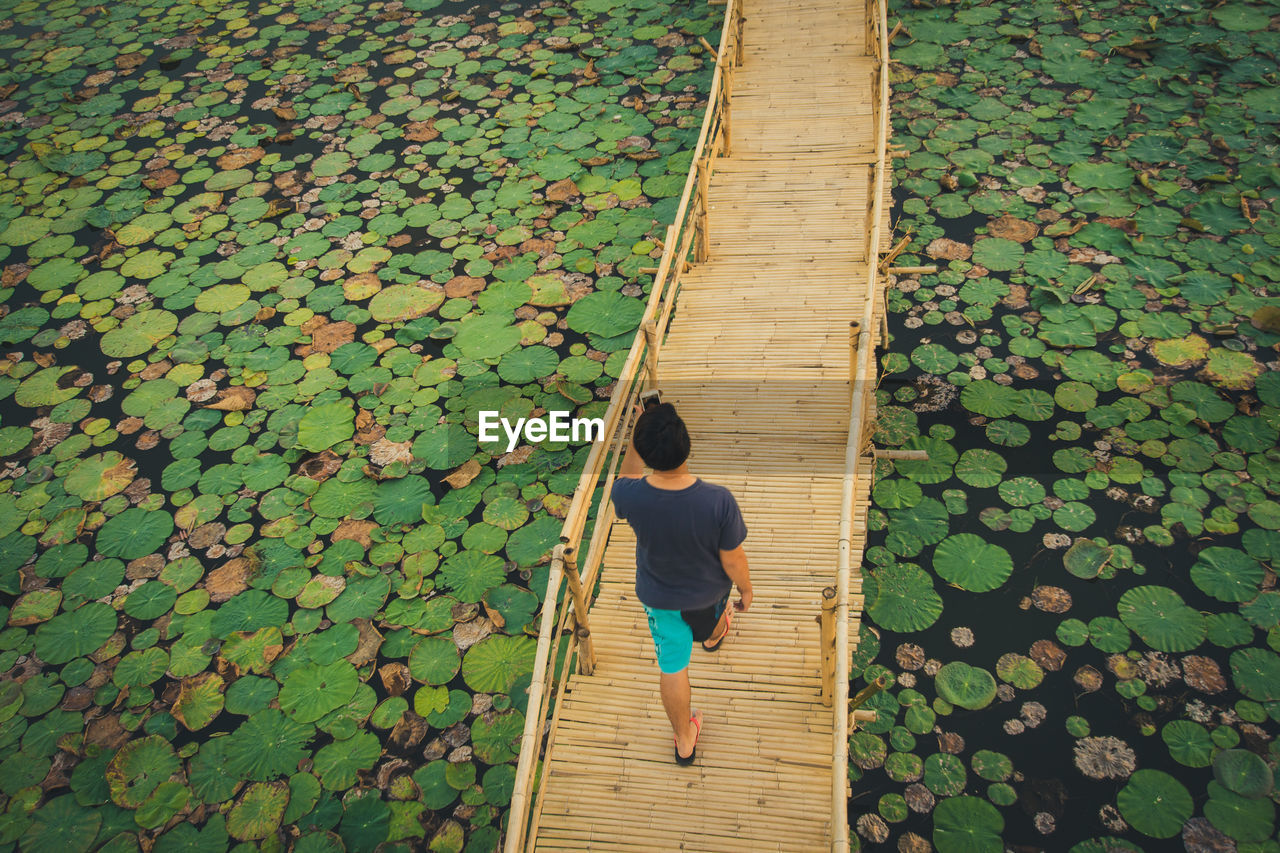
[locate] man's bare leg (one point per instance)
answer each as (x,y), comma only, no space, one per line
(675,699)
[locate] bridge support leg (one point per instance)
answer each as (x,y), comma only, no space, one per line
(827,632)
(651,355)
(586,651)
(702,246)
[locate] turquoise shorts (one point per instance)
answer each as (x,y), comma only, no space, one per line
(675,630)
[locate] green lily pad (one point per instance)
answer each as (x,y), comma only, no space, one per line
(901,597)
(1155,804)
(258,811)
(967,825)
(605,314)
(79,632)
(1243,773)
(969,562)
(1159,616)
(138,768)
(1086,558)
(1256,673)
(1227,574)
(324,426)
(310,692)
(965,686)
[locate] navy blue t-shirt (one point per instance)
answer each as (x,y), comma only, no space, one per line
(679,536)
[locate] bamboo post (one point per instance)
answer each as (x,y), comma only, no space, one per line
(861,716)
(854,328)
(586,652)
(915,455)
(531,737)
(651,356)
(827,637)
(867,692)
(883,297)
(726,93)
(738,43)
(703,247)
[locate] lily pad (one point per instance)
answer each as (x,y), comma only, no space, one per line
(965,686)
(1155,804)
(1159,616)
(901,597)
(1086,558)
(1243,773)
(971,563)
(967,825)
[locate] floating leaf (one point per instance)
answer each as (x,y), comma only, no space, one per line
(1086,558)
(965,686)
(138,768)
(324,426)
(79,632)
(901,597)
(967,825)
(1158,615)
(1227,574)
(496,664)
(1155,803)
(311,692)
(971,563)
(1243,773)
(258,811)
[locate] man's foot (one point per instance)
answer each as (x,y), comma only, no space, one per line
(695,723)
(711,644)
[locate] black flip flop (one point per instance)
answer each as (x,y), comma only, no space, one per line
(686,760)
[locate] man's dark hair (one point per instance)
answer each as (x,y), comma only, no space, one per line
(661,437)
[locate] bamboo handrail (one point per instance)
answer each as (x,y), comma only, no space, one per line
(648,338)
(863,380)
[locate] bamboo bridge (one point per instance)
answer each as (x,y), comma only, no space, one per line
(761,326)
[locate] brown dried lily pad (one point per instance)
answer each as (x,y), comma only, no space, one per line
(1012,228)
(235,399)
(229,579)
(1051,599)
(950,250)
(1202,673)
(356,529)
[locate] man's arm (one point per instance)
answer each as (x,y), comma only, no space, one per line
(632,465)
(735,566)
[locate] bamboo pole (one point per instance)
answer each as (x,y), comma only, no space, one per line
(867,692)
(926,270)
(651,357)
(860,716)
(915,455)
(738,43)
(586,654)
(532,734)
(703,247)
(865,376)
(725,112)
(827,636)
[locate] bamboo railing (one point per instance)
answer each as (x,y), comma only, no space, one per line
(688,234)
(858,451)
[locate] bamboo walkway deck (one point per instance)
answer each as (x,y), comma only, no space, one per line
(758,362)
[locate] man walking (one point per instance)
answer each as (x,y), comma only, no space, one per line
(689,554)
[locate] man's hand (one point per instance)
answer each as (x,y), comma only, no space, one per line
(632,464)
(735,566)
